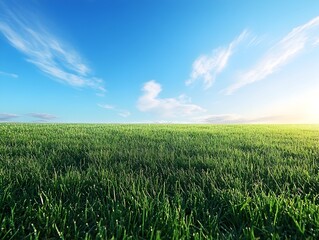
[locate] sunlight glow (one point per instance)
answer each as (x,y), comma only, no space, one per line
(312,108)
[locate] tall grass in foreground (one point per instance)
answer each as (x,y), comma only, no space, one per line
(82,181)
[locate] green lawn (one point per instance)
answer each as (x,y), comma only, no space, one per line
(90,181)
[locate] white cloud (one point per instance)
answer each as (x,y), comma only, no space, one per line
(254,41)
(280,54)
(219,119)
(45,51)
(167,107)
(106,106)
(124,113)
(207,67)
(42,116)
(120,112)
(7,117)
(12,75)
(238,119)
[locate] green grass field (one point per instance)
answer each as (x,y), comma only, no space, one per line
(82,181)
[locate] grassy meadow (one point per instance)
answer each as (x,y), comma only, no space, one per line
(91,181)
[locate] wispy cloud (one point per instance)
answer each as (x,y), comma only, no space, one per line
(219,119)
(42,116)
(120,112)
(280,54)
(44,50)
(12,75)
(167,107)
(238,119)
(207,67)
(4,117)
(124,113)
(106,106)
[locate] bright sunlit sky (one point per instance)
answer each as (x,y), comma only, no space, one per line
(145,61)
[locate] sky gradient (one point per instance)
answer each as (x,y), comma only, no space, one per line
(149,61)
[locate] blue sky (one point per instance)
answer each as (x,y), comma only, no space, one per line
(183,61)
